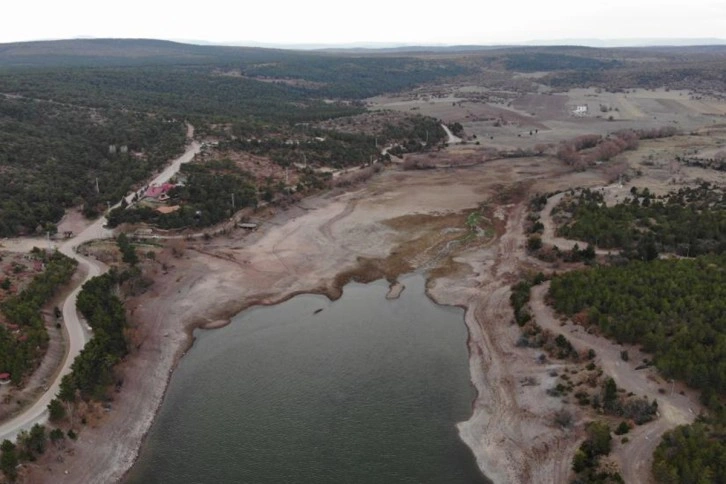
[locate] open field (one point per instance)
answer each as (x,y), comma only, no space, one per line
(508,125)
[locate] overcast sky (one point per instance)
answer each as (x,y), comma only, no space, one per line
(340,21)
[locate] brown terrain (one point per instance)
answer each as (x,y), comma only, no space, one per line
(404,220)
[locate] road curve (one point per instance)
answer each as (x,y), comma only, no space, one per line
(452,140)
(78,332)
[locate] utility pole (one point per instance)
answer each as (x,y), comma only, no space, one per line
(47,235)
(97,189)
(233,207)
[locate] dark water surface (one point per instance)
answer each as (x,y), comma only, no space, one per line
(365,391)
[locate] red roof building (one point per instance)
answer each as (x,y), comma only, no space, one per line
(155,191)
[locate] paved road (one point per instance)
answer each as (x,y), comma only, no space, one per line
(78,332)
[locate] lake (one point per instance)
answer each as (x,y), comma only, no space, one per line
(365,391)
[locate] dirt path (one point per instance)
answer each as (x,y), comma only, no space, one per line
(550,229)
(451,139)
(675,409)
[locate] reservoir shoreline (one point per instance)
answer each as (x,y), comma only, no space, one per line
(333,296)
(388,228)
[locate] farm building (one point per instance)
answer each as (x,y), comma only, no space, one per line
(580,110)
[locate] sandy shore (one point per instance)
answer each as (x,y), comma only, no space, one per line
(400,221)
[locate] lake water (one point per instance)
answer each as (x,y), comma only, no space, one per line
(365,391)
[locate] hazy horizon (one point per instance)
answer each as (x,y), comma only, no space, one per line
(324,22)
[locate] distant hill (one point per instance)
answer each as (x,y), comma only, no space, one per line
(124,52)
(144,52)
(433,47)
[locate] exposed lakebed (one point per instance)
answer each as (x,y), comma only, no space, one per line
(367,390)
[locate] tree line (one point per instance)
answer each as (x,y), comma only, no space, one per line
(687,222)
(21,349)
(675,309)
(55,156)
(582,151)
(92,370)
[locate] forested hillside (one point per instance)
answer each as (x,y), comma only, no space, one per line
(689,222)
(675,309)
(22,343)
(64,104)
(172,90)
(51,155)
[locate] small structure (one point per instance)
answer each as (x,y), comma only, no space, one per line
(155,191)
(247,226)
(4,378)
(580,110)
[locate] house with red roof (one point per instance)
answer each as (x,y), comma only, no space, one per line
(156,191)
(4,378)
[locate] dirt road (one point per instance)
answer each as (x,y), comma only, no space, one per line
(510,431)
(549,236)
(674,409)
(451,139)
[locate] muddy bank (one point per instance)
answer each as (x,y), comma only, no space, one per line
(395,290)
(398,222)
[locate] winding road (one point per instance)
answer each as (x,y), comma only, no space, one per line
(674,408)
(78,333)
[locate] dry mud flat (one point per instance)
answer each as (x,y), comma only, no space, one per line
(400,221)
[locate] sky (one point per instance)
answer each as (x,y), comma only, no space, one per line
(366,21)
